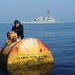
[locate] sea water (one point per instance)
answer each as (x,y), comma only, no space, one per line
(60,38)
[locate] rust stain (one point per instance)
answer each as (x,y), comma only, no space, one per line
(40,50)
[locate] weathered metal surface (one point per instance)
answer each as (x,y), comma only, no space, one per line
(25,54)
(43,69)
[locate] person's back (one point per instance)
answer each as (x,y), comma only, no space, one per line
(18,27)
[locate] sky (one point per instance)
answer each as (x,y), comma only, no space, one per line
(23,10)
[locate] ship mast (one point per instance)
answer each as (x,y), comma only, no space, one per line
(48,11)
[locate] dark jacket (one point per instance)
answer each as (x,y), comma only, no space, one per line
(19,30)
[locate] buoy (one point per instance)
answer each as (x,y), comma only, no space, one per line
(24,55)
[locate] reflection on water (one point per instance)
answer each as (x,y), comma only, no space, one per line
(44,69)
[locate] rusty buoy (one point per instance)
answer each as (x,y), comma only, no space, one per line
(25,53)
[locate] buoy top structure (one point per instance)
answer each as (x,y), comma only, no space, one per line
(19,55)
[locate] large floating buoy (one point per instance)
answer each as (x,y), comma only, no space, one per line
(25,53)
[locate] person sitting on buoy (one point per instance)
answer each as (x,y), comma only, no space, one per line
(18,28)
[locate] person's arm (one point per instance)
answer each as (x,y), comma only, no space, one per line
(12,28)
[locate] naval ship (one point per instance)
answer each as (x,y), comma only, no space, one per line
(42,20)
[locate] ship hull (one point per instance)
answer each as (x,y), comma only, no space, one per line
(42,22)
